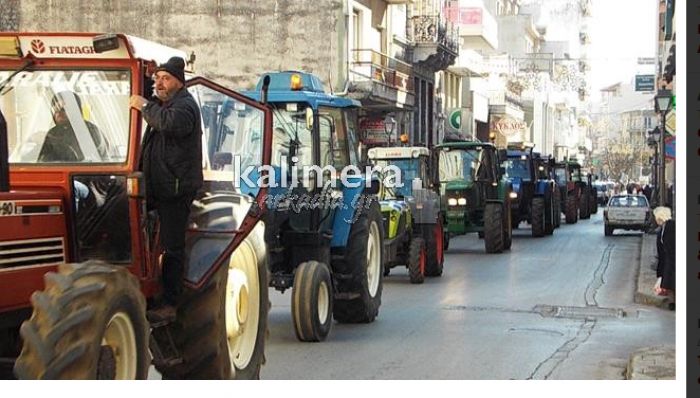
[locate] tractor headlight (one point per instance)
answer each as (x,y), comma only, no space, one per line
(513,195)
(452,202)
(462,201)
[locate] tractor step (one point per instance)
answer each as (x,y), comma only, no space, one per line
(162,345)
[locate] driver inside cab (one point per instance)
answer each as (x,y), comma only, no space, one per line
(61,143)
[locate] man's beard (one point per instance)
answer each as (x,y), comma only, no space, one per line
(164,95)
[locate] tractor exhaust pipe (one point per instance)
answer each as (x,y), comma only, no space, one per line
(265,88)
(4,163)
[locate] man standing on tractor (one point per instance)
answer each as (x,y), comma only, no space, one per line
(171,161)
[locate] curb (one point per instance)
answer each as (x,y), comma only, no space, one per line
(646,277)
(652,363)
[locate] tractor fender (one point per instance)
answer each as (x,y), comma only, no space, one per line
(357,196)
(541,187)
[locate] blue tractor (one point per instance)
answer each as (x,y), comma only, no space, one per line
(324,235)
(534,199)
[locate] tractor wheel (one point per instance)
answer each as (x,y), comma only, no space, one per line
(416,260)
(571,209)
(548,212)
(312,301)
(493,227)
(594,202)
(433,247)
(538,217)
(584,205)
(220,329)
(557,208)
(507,225)
(365,259)
(445,241)
(88,323)
(609,230)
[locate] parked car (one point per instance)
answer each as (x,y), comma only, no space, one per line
(628,212)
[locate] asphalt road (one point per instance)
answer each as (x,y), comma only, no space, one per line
(557,307)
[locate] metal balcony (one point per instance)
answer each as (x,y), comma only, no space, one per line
(380,81)
(436,41)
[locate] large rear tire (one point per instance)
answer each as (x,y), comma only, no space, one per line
(493,228)
(557,208)
(507,225)
(312,301)
(571,208)
(549,212)
(88,323)
(538,217)
(584,205)
(434,249)
(220,329)
(416,260)
(364,259)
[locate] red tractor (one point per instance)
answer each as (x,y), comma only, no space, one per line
(79,252)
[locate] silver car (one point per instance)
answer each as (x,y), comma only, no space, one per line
(628,212)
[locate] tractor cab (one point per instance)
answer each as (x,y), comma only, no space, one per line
(324,228)
(476,197)
(534,199)
(410,210)
(75,194)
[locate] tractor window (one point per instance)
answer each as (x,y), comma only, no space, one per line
(410,169)
(233,136)
(67,116)
(463,165)
(338,135)
(517,168)
(351,122)
(560,175)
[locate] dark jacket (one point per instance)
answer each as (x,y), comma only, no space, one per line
(666,249)
(172,148)
(61,144)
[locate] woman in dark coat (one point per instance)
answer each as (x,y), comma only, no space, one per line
(666,248)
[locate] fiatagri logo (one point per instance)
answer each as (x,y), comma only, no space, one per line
(39,47)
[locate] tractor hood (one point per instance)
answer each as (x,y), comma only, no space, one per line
(458,185)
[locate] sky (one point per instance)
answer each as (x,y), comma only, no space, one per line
(621,31)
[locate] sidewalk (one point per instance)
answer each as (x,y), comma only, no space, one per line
(650,363)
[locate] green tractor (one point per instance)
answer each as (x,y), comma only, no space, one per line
(411,212)
(476,196)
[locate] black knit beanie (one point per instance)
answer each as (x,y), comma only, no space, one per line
(176,67)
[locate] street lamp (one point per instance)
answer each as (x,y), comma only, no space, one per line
(663,104)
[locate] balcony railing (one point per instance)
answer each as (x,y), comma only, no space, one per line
(435,29)
(371,65)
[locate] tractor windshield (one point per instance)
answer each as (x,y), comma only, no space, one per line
(410,169)
(67,116)
(560,175)
(291,137)
(466,165)
(518,168)
(576,174)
